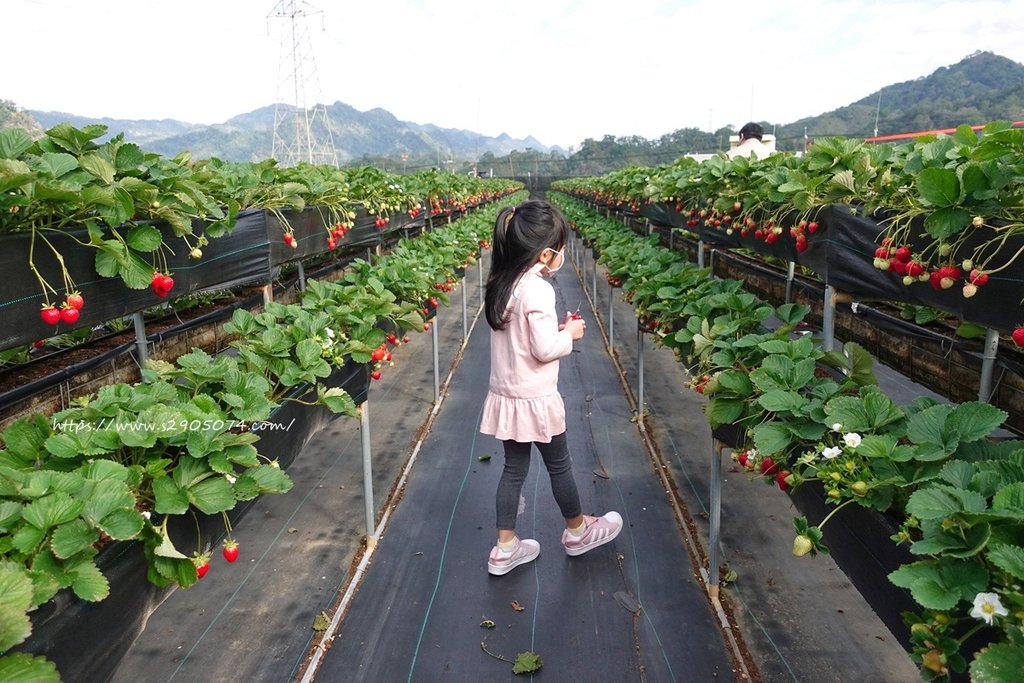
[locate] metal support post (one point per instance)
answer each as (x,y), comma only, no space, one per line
(790,272)
(988,365)
(593,281)
(364,435)
(302,277)
(465,322)
(640,375)
(268,293)
(611,318)
(437,362)
(700,253)
(141,345)
(716,517)
(828,319)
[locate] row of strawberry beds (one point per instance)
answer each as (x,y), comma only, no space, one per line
(936,221)
(96,231)
(805,416)
(126,470)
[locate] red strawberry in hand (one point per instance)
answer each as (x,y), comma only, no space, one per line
(230,550)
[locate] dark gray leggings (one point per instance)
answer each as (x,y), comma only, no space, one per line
(517,466)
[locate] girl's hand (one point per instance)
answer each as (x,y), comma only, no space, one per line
(576,327)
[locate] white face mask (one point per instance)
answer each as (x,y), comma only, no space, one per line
(561,260)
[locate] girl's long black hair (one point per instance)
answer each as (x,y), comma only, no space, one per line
(521,233)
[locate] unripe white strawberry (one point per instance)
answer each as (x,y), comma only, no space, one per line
(970,290)
(947,282)
(977,221)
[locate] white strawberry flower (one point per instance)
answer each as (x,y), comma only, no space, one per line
(231,480)
(852,439)
(831,452)
(836,427)
(987,606)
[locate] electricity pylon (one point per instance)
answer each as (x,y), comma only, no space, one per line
(300,134)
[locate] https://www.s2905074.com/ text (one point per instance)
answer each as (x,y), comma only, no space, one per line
(169,426)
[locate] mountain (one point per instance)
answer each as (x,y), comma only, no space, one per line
(356,134)
(980,88)
(13,117)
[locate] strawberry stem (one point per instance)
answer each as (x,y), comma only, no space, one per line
(837,509)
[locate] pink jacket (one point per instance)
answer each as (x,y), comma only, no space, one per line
(523,403)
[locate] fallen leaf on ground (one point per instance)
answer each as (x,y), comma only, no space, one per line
(516,606)
(321,622)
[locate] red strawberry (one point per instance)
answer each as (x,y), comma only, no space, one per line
(426,327)
(378,354)
(781,479)
(161,284)
(812,227)
(914,268)
(230,550)
(1018,336)
(69,315)
(978,277)
(75,300)
(742,458)
(406,340)
(290,240)
(50,314)
(202,564)
(392,339)
(768,467)
(375,374)
(882,252)
(903,254)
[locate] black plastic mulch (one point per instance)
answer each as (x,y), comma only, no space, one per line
(630,610)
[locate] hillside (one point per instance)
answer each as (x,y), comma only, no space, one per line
(13,117)
(980,88)
(356,134)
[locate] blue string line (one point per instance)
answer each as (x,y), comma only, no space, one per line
(444,547)
(632,540)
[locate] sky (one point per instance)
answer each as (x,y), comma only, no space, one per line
(559,70)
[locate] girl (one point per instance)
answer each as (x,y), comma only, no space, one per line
(523,406)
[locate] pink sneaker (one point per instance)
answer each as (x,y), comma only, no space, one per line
(503,561)
(600,531)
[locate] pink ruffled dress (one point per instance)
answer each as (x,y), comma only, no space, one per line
(523,403)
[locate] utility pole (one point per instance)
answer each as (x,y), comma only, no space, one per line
(300,134)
